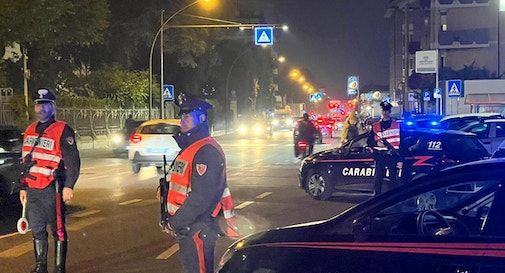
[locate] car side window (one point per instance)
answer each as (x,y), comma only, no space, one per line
(481,130)
(462,208)
(359,143)
(500,130)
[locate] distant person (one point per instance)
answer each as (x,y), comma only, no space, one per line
(305,130)
(351,127)
(129,125)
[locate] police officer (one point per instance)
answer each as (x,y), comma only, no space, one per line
(198,190)
(385,141)
(50,170)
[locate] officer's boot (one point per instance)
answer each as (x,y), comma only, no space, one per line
(40,249)
(60,256)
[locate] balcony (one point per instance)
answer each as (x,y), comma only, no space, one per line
(470,38)
(462,3)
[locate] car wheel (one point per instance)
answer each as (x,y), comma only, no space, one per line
(318,187)
(136,168)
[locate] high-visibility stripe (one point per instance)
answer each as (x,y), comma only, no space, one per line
(453,249)
(41,170)
(228,214)
(48,157)
(226,192)
(172,208)
(179,188)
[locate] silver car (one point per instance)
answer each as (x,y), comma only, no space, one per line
(490,132)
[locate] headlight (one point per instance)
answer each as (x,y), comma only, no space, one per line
(2,150)
(275,122)
(258,129)
(289,121)
(242,130)
(117,139)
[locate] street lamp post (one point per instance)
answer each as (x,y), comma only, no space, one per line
(160,31)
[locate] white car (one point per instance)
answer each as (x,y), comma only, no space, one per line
(152,140)
(490,132)
(456,122)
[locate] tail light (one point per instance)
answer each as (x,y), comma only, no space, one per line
(302,144)
(329,126)
(135,138)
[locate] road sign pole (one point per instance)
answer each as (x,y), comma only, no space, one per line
(162,101)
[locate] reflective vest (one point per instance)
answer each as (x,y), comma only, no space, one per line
(392,134)
(180,185)
(47,154)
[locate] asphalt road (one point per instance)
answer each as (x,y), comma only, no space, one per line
(113,219)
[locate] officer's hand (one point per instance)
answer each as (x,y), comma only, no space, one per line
(399,165)
(168,229)
(22,196)
(68,194)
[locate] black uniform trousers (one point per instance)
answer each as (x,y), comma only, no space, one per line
(384,162)
(196,249)
(46,207)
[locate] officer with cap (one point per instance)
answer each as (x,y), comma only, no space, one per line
(198,190)
(50,170)
(384,139)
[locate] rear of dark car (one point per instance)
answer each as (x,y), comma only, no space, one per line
(10,156)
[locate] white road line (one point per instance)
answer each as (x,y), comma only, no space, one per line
(169,252)
(130,202)
(245,204)
(8,235)
(100,176)
(84,213)
(84,223)
(17,251)
(263,195)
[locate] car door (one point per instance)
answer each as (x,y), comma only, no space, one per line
(388,239)
(358,166)
(497,135)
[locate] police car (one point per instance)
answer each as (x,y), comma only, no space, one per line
(351,167)
(447,222)
(11,140)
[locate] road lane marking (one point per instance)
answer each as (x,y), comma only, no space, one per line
(84,223)
(263,195)
(245,204)
(130,202)
(17,250)
(84,213)
(168,253)
(146,202)
(8,235)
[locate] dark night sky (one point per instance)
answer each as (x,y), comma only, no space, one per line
(335,38)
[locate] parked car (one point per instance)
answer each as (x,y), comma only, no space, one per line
(490,132)
(351,167)
(11,141)
(446,222)
(456,122)
(500,152)
(152,140)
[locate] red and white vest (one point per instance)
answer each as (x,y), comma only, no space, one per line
(392,134)
(47,154)
(180,185)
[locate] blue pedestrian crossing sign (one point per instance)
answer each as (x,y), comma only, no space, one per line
(168,92)
(454,88)
(264,35)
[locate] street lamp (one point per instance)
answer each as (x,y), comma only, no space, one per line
(281,59)
(160,31)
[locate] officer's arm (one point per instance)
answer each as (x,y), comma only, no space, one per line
(71,157)
(371,139)
(206,188)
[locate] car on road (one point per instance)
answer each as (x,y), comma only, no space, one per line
(456,122)
(253,127)
(351,167)
(120,141)
(152,140)
(281,121)
(11,141)
(447,222)
(490,132)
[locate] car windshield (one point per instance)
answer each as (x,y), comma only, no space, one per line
(160,129)
(7,134)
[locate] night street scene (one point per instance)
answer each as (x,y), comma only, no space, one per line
(252,136)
